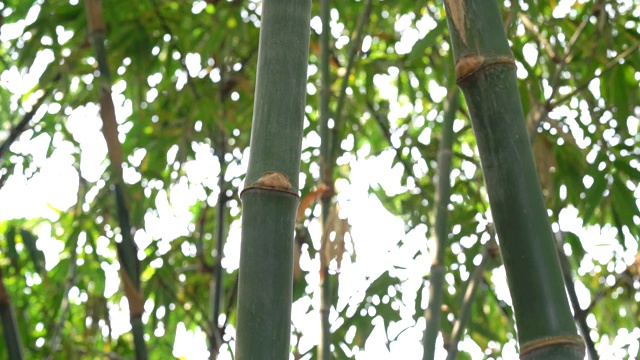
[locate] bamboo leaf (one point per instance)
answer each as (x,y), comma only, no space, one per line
(12,252)
(624,203)
(593,196)
(36,255)
(428,41)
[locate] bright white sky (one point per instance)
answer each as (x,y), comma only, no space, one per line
(376,233)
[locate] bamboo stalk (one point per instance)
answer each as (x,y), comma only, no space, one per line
(127,249)
(326,171)
(217,279)
(270,197)
(580,314)
(485,71)
(443,192)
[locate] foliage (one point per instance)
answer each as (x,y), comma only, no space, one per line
(183,76)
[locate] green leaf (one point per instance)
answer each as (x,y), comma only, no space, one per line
(37,256)
(594,196)
(624,204)
(428,41)
(10,235)
(576,245)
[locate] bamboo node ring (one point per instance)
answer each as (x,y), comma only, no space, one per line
(472,63)
(273,180)
(530,346)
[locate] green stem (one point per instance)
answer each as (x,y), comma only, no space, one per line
(217,279)
(270,197)
(443,192)
(326,170)
(485,70)
(354,46)
(579,314)
(22,125)
(127,249)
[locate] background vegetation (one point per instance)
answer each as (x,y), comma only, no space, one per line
(182,78)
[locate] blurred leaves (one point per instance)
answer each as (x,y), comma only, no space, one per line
(184,75)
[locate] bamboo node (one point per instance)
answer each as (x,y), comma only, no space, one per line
(472,63)
(468,65)
(571,340)
(273,180)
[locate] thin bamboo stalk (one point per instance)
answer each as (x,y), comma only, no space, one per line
(216,286)
(326,170)
(127,249)
(580,314)
(354,45)
(485,71)
(443,192)
(218,273)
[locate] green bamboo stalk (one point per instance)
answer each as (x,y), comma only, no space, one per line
(216,289)
(270,197)
(326,171)
(127,250)
(485,71)
(10,328)
(443,192)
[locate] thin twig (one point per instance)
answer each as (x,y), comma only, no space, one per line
(529,25)
(355,45)
(578,313)
(490,250)
(22,125)
(606,69)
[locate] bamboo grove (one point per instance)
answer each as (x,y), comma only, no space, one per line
(319,179)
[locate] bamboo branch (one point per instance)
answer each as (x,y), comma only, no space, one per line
(568,54)
(578,313)
(231,299)
(326,178)
(217,279)
(610,65)
(22,125)
(532,28)
(561,62)
(490,250)
(354,45)
(442,199)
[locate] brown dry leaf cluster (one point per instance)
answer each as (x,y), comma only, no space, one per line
(333,238)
